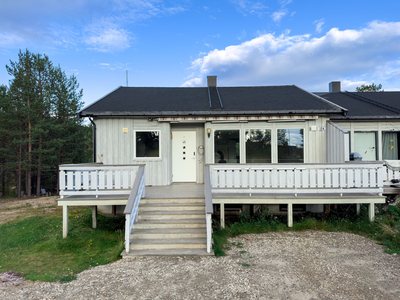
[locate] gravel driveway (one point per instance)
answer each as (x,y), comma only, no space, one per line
(282,265)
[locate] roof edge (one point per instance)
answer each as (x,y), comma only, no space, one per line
(79,112)
(344,110)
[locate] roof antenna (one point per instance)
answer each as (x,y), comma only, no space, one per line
(126,77)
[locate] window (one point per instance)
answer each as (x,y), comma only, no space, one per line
(226,146)
(290,146)
(258,146)
(365,144)
(390,145)
(147,144)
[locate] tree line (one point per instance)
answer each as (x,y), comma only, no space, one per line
(39,127)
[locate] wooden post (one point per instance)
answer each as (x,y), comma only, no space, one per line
(290,215)
(94,216)
(222,211)
(65,221)
(127,233)
(113,210)
(371,212)
(358,208)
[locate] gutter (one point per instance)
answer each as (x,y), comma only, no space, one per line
(94,138)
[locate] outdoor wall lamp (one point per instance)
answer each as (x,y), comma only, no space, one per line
(209,132)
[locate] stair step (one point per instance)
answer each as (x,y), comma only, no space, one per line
(171,206)
(168,233)
(168,244)
(180,252)
(171,215)
(171,200)
(164,224)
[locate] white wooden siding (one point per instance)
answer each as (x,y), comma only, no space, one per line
(337,143)
(116,147)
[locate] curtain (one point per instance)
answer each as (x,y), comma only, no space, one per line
(389,145)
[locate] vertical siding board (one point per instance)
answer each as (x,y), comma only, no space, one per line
(274,178)
(101,179)
(70,180)
(313,179)
(365,177)
(328,181)
(85,183)
(297,178)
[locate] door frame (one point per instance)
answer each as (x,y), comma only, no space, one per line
(175,152)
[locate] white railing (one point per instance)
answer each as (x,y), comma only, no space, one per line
(132,207)
(391,170)
(209,206)
(96,179)
(298,178)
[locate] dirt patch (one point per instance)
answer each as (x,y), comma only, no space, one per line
(11,209)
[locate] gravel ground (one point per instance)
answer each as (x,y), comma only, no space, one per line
(283,265)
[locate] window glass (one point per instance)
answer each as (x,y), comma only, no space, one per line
(226,146)
(258,146)
(365,144)
(390,145)
(290,146)
(147,144)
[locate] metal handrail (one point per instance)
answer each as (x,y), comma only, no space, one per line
(209,206)
(132,207)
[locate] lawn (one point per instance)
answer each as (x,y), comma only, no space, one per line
(34,247)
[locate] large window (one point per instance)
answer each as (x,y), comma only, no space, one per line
(390,145)
(258,146)
(290,146)
(226,146)
(147,144)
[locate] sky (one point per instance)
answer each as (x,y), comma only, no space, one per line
(180,42)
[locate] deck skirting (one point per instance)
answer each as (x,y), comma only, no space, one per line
(357,199)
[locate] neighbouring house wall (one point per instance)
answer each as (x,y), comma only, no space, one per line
(337,143)
(369,126)
(314,138)
(114,146)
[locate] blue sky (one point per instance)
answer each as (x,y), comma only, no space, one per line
(180,42)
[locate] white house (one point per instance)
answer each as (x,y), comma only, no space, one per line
(218,146)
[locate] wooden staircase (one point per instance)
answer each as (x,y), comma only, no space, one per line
(174,226)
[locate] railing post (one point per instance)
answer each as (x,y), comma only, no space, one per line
(209,230)
(127,232)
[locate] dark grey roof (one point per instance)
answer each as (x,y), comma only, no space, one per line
(366,105)
(158,101)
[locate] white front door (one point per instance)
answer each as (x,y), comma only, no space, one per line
(184,156)
(365,144)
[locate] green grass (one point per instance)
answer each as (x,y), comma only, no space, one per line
(34,247)
(385,229)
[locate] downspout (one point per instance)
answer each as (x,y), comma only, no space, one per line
(94,138)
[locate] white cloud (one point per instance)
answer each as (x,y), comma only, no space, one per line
(105,36)
(367,54)
(248,7)
(278,15)
(69,23)
(318,25)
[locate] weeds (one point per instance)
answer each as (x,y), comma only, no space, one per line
(385,229)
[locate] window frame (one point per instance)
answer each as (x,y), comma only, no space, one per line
(159,157)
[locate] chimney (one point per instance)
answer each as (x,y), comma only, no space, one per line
(334,87)
(211,81)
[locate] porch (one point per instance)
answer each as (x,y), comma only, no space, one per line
(97,184)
